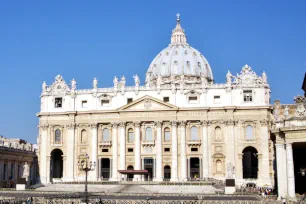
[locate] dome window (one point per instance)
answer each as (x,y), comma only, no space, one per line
(185,52)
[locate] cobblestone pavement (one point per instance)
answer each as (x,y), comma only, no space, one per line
(67,195)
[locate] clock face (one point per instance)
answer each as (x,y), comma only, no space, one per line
(247,80)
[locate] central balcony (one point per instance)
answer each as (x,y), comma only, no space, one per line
(105,144)
(193,142)
(148,143)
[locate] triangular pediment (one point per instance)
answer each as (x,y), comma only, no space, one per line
(147,103)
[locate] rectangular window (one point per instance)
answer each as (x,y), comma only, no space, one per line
(104,150)
(148,161)
(130,149)
(104,102)
(217,99)
(167,150)
(58,102)
(193,99)
(129,100)
(194,149)
(167,136)
(247,96)
(84,104)
(166,99)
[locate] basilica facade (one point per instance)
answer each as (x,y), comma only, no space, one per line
(179,126)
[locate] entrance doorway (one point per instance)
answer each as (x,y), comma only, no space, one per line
(105,168)
(299,155)
(194,168)
(250,163)
(130,176)
(56,166)
(167,172)
(148,165)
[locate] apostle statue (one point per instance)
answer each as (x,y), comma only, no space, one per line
(115,82)
(264,78)
(148,78)
(230,170)
(26,171)
(137,80)
(229,78)
(122,82)
(44,86)
(73,84)
(95,83)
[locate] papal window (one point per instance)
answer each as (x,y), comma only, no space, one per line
(130,138)
(105,135)
(149,136)
(194,133)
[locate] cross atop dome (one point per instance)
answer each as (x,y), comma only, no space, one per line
(178,33)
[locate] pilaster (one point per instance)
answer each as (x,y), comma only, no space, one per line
(137,150)
(205,157)
(70,152)
(174,167)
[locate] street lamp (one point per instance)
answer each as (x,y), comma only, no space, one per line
(302,171)
(86,165)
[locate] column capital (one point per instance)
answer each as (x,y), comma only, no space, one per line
(137,124)
(289,144)
(93,125)
(230,122)
(114,125)
(174,123)
(205,122)
(182,123)
(264,122)
(158,124)
(44,126)
(71,126)
(122,124)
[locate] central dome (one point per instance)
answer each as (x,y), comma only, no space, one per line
(179,58)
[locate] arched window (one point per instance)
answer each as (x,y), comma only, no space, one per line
(149,136)
(57,136)
(83,136)
(167,135)
(249,132)
(194,133)
(130,138)
(105,135)
(219,165)
(218,134)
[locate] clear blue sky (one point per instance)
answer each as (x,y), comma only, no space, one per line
(87,39)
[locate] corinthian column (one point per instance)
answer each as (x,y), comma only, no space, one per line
(205,160)
(70,153)
(183,151)
(94,151)
(115,152)
(265,163)
(122,145)
(137,150)
(44,165)
(281,170)
(290,171)
(158,152)
(174,152)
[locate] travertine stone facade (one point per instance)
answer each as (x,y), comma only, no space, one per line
(14,154)
(288,131)
(179,126)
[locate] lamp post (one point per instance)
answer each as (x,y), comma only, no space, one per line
(86,165)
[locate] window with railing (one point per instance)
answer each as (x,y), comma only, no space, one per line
(105,135)
(194,133)
(149,136)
